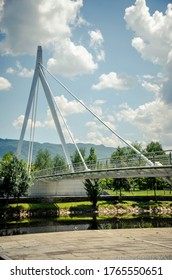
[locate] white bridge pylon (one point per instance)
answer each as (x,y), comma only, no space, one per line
(39,75)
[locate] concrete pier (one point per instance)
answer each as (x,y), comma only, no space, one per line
(150,243)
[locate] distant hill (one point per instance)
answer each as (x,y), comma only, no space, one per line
(7,145)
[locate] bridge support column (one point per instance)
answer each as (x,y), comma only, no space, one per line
(62,187)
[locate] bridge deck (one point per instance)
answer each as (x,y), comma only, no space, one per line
(121,172)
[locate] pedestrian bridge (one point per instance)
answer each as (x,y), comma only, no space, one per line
(126,167)
(64,182)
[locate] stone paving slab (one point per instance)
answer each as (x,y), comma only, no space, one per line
(152,243)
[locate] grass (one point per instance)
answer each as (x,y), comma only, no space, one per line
(141,193)
(28,206)
(67,205)
(86,205)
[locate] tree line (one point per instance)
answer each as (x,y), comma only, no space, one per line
(44,160)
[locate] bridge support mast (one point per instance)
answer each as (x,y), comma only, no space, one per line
(38,73)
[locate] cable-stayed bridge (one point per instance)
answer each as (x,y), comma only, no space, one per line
(69,181)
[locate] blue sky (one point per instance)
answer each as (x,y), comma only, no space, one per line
(115,56)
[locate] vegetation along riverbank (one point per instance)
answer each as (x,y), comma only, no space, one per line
(103,208)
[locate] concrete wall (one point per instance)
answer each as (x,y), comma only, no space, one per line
(62,187)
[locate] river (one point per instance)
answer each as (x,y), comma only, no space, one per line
(71,223)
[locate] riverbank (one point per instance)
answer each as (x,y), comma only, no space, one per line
(104,208)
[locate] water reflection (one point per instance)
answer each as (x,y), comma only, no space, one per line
(93,222)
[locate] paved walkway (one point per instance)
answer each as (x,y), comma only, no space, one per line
(154,243)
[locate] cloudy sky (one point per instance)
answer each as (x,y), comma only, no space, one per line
(115,56)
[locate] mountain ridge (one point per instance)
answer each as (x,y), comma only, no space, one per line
(7,145)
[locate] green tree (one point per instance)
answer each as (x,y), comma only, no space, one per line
(15,179)
(138,183)
(121,183)
(118,153)
(106,183)
(122,153)
(152,184)
(154,147)
(59,162)
(43,160)
(155,153)
(92,158)
(93,190)
(125,156)
(76,159)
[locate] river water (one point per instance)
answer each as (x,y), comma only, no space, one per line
(28,226)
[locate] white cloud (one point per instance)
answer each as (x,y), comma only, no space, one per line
(4,84)
(49,122)
(100,101)
(151,31)
(20,70)
(81,21)
(148,77)
(96,42)
(100,55)
(10,70)
(99,138)
(19,122)
(31,23)
(99,134)
(114,81)
(96,38)
(153,119)
(50,24)
(151,86)
(71,60)
(68,107)
(153,39)
(24,72)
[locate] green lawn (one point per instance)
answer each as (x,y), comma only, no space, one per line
(141,193)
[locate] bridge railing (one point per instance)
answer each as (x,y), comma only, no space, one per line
(106,163)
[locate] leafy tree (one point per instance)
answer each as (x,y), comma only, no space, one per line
(152,184)
(118,153)
(154,152)
(59,162)
(15,179)
(106,183)
(137,146)
(92,158)
(125,152)
(156,184)
(76,159)
(125,156)
(154,147)
(138,183)
(93,190)
(158,155)
(121,183)
(43,160)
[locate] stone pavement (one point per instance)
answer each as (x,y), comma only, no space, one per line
(151,243)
